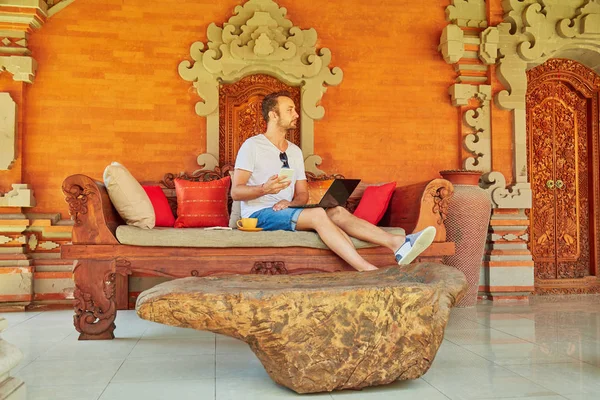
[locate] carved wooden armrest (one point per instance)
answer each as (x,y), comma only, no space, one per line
(417,206)
(95,218)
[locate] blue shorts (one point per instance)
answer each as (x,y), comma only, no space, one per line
(271,220)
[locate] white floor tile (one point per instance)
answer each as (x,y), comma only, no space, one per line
(451,355)
(229,345)
(458,323)
(73,349)
(174,347)
(166,368)
(259,389)
(545,334)
(475,386)
(202,389)
(240,366)
(585,350)
(399,390)
(466,375)
(480,336)
(522,353)
(567,378)
(583,396)
(15,318)
(498,321)
(69,392)
(550,397)
(25,333)
(158,331)
(80,372)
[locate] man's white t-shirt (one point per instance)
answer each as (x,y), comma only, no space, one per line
(261,157)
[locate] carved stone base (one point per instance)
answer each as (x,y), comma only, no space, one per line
(587,285)
(507,271)
(106,335)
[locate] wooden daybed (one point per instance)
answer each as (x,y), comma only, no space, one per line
(103,265)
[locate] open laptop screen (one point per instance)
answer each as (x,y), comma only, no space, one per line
(330,193)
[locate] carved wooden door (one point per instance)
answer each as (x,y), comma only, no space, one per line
(560,121)
(240,115)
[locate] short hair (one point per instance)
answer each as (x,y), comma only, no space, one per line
(270,102)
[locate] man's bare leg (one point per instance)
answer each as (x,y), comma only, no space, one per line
(334,237)
(363,230)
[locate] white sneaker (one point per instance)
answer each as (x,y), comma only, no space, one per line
(414,245)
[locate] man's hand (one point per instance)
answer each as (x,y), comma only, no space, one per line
(276,184)
(281,205)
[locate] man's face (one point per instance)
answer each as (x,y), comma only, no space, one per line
(287,115)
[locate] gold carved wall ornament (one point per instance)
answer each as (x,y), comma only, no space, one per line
(259,39)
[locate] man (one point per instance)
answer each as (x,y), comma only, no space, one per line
(268,197)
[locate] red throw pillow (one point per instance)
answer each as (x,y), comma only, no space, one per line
(202,204)
(162,209)
(374,202)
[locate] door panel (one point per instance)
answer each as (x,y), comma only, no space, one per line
(542,168)
(240,114)
(559,159)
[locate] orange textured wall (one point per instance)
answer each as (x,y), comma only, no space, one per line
(502,135)
(502,120)
(107,89)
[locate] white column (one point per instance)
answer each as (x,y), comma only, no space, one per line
(11,388)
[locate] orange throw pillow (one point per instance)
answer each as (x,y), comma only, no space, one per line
(202,204)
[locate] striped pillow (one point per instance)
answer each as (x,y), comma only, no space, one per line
(202,204)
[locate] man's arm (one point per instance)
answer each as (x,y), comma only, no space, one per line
(240,190)
(300,197)
(300,193)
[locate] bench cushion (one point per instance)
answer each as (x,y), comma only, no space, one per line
(197,237)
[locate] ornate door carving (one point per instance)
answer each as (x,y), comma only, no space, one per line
(562,123)
(240,115)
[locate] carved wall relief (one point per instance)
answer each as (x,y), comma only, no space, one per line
(23,16)
(562,144)
(258,39)
(532,32)
(471,48)
(8,131)
(478,143)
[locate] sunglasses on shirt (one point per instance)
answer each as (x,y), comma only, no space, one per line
(284,159)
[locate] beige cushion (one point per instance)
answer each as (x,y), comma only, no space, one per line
(128,197)
(236,208)
(236,214)
(198,237)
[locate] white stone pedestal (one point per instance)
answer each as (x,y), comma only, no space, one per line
(11,388)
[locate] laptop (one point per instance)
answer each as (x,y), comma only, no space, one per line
(334,193)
